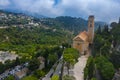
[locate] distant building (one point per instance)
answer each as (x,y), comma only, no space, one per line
(117,75)
(42,62)
(20,74)
(82,41)
(2,15)
(7,56)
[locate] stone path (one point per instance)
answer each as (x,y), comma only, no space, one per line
(79,68)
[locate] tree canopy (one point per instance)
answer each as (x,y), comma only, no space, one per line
(30,78)
(70,55)
(55,77)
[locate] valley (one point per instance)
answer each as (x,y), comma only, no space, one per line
(43,49)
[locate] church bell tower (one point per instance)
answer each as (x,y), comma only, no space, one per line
(91,28)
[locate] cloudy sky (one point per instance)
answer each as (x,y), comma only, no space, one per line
(104,10)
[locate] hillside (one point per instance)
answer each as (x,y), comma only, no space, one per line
(70,23)
(27,39)
(73,24)
(24,34)
(19,29)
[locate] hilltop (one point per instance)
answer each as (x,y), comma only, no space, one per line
(70,23)
(73,24)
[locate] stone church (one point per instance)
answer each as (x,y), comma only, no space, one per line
(82,41)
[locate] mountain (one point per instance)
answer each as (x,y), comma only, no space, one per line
(70,23)
(36,15)
(24,34)
(73,24)
(99,23)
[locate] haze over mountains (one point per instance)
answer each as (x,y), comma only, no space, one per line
(73,24)
(37,15)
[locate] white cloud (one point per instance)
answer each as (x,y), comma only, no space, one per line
(44,7)
(4,2)
(104,10)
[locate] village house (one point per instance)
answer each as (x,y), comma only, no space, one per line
(20,74)
(42,62)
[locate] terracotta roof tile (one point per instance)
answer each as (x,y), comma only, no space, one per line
(83,35)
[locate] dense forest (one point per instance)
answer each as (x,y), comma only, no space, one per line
(106,54)
(70,23)
(18,39)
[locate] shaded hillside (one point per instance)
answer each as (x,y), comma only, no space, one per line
(70,23)
(22,33)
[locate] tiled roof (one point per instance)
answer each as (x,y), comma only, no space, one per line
(21,73)
(83,35)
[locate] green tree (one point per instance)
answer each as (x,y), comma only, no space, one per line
(8,64)
(70,56)
(52,58)
(99,31)
(29,78)
(115,59)
(89,69)
(67,77)
(39,73)
(105,49)
(10,78)
(2,68)
(115,32)
(17,61)
(93,79)
(34,64)
(107,71)
(105,67)
(55,77)
(106,29)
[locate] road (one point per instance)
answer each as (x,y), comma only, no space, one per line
(48,76)
(52,72)
(58,68)
(79,68)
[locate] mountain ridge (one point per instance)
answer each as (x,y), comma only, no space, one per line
(72,24)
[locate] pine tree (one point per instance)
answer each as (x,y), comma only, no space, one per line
(106,29)
(99,30)
(119,21)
